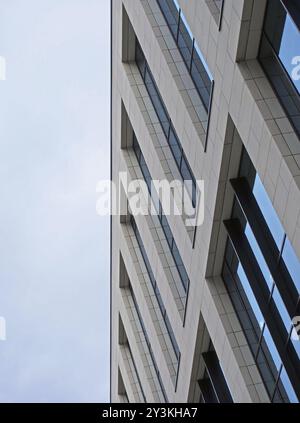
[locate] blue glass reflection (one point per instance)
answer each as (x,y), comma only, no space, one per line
(292,263)
(282,309)
(268,211)
(189,50)
(289,52)
(259,256)
(288,387)
(272,348)
(250,296)
(295,339)
(280,55)
(162,219)
(203,62)
(165,120)
(268,278)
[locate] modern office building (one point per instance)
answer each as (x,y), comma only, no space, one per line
(206,90)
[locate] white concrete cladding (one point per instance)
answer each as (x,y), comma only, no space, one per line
(244,112)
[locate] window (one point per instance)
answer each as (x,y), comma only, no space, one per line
(213,385)
(162,218)
(188,48)
(165,121)
(121,387)
(264,219)
(137,309)
(262,276)
(280,55)
(134,376)
(156,290)
(190,53)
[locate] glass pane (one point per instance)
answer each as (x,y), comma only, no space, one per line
(167,230)
(194,194)
(175,147)
(259,257)
(188,48)
(289,50)
(163,117)
(295,340)
(201,80)
(292,263)
(185,170)
(267,369)
(250,296)
(136,148)
(157,102)
(285,38)
(282,310)
(268,212)
(170,13)
(185,43)
(242,306)
(289,391)
(140,58)
(183,276)
(272,348)
(155,200)
(280,57)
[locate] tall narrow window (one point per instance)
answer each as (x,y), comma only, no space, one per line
(190,53)
(162,218)
(166,124)
(156,289)
(280,55)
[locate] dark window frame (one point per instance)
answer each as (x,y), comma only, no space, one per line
(156,290)
(168,129)
(268,308)
(294,94)
(171,242)
(216,378)
(190,61)
(141,321)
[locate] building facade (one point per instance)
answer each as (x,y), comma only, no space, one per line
(206,90)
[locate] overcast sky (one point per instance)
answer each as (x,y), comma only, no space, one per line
(54,249)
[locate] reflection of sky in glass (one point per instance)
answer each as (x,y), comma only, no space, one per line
(290,48)
(289,256)
(277,361)
(288,387)
(268,277)
(192,37)
(282,309)
(292,263)
(266,334)
(176,4)
(249,293)
(296,343)
(259,257)
(272,348)
(268,211)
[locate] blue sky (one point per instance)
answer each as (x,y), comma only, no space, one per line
(54,148)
